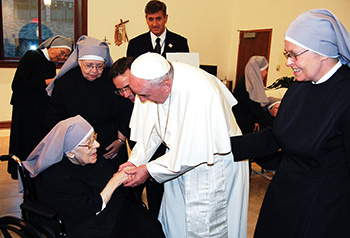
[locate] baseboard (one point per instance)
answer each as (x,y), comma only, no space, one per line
(5,125)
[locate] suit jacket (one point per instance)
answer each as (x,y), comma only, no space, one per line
(142,44)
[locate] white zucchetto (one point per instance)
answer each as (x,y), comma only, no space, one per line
(150,66)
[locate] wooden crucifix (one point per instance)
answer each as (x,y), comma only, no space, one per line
(120,33)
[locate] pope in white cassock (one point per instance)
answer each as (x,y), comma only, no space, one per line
(189,111)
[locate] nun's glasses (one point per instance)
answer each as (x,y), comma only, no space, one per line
(91,141)
(293,56)
(90,66)
(63,54)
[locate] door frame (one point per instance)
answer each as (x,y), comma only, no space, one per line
(266,53)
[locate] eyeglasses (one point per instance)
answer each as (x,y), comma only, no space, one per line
(293,56)
(90,66)
(90,143)
(63,54)
(122,90)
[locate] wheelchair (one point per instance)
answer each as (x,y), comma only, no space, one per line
(32,212)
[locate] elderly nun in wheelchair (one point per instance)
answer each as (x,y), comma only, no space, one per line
(75,180)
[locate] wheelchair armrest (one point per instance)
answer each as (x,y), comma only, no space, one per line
(45,212)
(38,209)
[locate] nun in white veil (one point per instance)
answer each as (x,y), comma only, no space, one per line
(251,112)
(74,180)
(83,87)
(309,195)
(254,71)
(35,71)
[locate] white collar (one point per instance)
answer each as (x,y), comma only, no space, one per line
(46,53)
(162,38)
(329,73)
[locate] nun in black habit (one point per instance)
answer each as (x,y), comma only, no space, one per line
(309,195)
(35,71)
(72,178)
(251,111)
(83,87)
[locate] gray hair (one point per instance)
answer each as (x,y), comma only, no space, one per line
(159,80)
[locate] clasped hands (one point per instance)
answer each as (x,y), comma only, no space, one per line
(136,175)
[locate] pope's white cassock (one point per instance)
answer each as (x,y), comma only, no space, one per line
(205,191)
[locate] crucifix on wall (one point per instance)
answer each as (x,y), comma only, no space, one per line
(120,33)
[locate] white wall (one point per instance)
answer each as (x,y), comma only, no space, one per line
(211,28)
(278,14)
(207,30)
(6,76)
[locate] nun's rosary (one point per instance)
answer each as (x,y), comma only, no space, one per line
(166,124)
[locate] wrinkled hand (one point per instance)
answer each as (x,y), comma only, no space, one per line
(137,176)
(126,167)
(117,179)
(113,149)
(126,164)
(120,177)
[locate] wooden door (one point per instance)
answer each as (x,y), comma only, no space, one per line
(252,42)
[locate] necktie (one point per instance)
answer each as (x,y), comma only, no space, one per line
(157,48)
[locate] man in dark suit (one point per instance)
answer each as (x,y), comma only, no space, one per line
(156,18)
(120,73)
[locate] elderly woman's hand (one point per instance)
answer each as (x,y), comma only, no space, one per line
(117,179)
(126,164)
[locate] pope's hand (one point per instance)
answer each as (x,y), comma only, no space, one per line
(137,176)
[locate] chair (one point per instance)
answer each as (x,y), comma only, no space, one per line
(31,210)
(15,227)
(263,172)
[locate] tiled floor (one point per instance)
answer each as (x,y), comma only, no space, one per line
(10,199)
